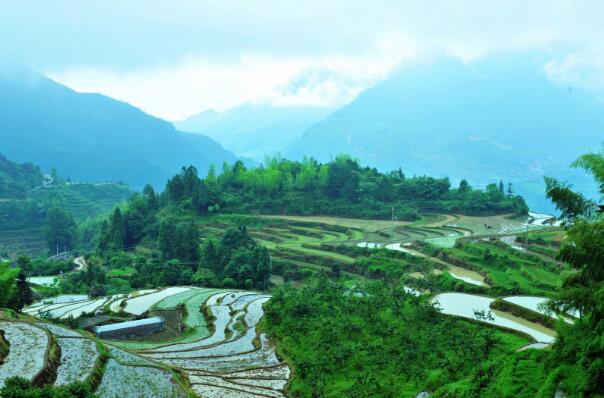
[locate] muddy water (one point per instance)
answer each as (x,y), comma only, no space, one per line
(466,275)
(464,305)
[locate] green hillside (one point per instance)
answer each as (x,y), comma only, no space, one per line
(91,137)
(17,179)
(24,203)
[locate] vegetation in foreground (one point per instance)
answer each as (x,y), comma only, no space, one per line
(377,341)
(17,387)
(364,352)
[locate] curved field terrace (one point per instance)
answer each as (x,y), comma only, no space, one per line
(223,357)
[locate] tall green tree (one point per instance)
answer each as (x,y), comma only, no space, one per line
(583,290)
(179,240)
(59,230)
(113,233)
(8,277)
(237,260)
(23,294)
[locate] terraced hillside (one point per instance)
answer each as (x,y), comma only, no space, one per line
(84,200)
(211,345)
(302,246)
(28,241)
(221,354)
(22,220)
(439,253)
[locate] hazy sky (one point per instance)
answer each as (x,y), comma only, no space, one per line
(179,57)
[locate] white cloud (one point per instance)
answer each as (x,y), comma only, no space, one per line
(174,59)
(582,69)
(193,85)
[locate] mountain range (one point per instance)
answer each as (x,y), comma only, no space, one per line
(255,131)
(497,118)
(91,137)
(500,118)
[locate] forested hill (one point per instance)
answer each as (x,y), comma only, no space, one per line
(26,201)
(91,137)
(341,188)
(17,179)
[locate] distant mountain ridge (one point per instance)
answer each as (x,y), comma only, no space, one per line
(255,131)
(498,118)
(91,137)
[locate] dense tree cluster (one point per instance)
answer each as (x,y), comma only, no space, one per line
(91,281)
(44,267)
(15,292)
(340,187)
(235,261)
(375,342)
(128,228)
(179,240)
(581,344)
(17,179)
(59,230)
(151,272)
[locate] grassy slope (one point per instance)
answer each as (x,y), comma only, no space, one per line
(341,345)
(510,270)
(520,374)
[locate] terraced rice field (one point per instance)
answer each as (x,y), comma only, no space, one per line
(444,241)
(366,225)
(211,362)
(44,280)
(232,361)
(78,358)
(27,350)
(192,300)
(28,241)
(137,381)
(65,306)
(537,304)
(465,305)
(141,304)
(498,224)
(58,331)
(295,241)
(532,303)
(89,308)
(125,374)
(116,304)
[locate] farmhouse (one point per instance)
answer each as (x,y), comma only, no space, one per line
(139,327)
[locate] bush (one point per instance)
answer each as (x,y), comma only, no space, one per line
(17,387)
(229,283)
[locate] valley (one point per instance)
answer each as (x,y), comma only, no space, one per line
(320,199)
(239,284)
(215,343)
